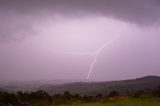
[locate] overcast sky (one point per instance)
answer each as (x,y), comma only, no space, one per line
(69,39)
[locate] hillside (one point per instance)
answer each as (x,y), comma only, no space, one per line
(93,88)
(84,87)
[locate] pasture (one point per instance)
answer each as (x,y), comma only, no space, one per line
(124,102)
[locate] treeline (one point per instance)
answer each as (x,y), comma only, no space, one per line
(42,98)
(25,98)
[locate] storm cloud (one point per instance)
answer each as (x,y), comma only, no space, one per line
(36,35)
(18,17)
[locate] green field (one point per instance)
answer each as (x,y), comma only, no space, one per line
(126,102)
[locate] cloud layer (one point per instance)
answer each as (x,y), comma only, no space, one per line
(18,17)
(29,28)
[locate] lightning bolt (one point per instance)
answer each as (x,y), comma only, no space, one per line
(95,54)
(92,65)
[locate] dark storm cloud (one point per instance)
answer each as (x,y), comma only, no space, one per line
(14,28)
(17,16)
(131,10)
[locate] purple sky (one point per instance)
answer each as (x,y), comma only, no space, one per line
(76,39)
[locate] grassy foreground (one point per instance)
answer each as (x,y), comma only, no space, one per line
(125,102)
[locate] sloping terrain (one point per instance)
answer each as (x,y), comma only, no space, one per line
(84,87)
(93,88)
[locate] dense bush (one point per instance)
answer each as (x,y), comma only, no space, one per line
(113,94)
(6,98)
(156,92)
(42,98)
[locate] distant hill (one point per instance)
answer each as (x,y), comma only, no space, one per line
(30,85)
(93,88)
(84,87)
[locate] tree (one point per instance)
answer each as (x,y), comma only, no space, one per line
(113,93)
(23,97)
(67,95)
(40,94)
(77,97)
(7,98)
(40,98)
(99,96)
(156,92)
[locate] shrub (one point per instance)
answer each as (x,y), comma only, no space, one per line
(113,94)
